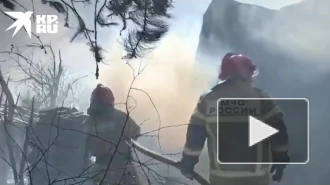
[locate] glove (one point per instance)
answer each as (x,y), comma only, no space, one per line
(187,169)
(279,157)
(278,169)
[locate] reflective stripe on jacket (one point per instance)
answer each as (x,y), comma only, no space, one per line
(204,119)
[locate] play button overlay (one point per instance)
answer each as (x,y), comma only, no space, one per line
(259,131)
(244,136)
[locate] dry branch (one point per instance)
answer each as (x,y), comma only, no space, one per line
(25,147)
(50,82)
(145,22)
(8,120)
(9,96)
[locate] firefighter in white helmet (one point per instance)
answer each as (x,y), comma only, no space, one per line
(237,72)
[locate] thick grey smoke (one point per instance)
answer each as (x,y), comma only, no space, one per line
(290,46)
(167,80)
(291,49)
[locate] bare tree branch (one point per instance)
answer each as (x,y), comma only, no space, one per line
(51,83)
(146,17)
(9,110)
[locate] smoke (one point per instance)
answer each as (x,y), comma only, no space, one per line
(166,99)
(296,37)
(167,80)
(299,30)
(290,47)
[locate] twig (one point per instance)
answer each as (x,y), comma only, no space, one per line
(26,145)
(8,119)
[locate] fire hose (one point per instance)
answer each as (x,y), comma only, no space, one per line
(176,164)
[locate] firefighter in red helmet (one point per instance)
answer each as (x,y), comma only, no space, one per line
(237,72)
(108,128)
(102,94)
(237,64)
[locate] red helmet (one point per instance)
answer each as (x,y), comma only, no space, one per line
(102,94)
(234,64)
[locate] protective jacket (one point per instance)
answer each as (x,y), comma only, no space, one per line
(203,125)
(108,128)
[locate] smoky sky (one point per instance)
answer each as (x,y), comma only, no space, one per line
(290,46)
(170,65)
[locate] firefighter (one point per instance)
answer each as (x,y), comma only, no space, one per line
(237,74)
(108,128)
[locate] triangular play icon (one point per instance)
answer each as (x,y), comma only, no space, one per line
(259,131)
